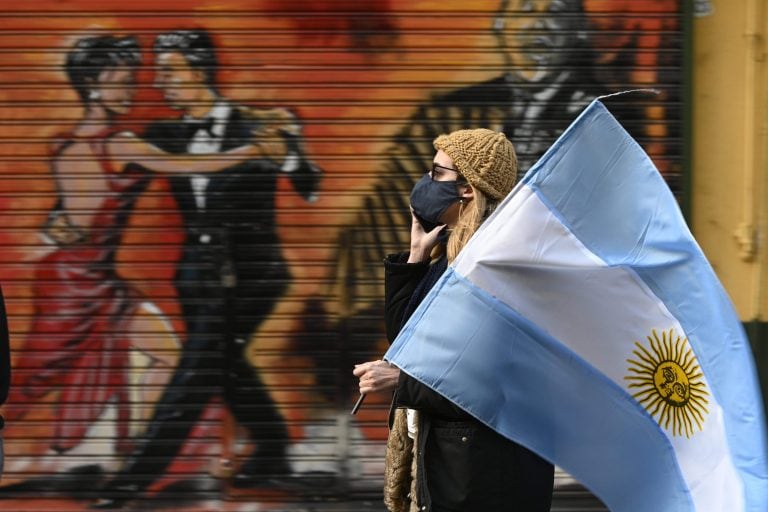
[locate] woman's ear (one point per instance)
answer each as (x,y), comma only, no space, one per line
(467,194)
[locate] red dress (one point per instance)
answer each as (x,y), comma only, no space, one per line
(79,340)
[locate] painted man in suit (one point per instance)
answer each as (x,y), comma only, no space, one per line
(231,270)
(547,80)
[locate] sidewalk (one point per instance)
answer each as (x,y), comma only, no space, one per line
(208,495)
(575,499)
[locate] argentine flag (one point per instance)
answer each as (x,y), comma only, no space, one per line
(583,321)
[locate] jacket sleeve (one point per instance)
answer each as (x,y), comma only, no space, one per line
(400,281)
(306,177)
(415,395)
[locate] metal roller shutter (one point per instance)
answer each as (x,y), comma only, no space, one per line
(239,300)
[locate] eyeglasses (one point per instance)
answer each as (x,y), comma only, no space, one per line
(438,171)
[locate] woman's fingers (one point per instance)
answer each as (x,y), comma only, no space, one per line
(366,375)
(376,376)
(361,368)
(432,235)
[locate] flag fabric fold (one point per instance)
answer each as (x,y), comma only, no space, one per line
(583,321)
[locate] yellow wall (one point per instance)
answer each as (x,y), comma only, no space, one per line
(728,193)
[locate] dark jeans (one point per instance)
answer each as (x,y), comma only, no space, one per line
(468,466)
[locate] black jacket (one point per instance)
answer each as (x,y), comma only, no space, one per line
(462,465)
(233,242)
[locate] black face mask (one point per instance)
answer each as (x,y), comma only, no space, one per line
(430,199)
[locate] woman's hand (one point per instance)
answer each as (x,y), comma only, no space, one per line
(422,242)
(125,147)
(269,143)
(376,376)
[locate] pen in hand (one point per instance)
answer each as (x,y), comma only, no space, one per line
(357,404)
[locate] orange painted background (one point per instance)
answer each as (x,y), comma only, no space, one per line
(352,71)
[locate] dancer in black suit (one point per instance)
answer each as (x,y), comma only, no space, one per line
(231,271)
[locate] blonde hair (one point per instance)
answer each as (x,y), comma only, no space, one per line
(470,218)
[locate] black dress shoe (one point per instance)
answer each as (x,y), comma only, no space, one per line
(80,482)
(256,481)
(261,471)
(108,504)
(115,496)
(312,484)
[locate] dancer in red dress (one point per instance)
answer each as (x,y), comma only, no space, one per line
(87,320)
(80,336)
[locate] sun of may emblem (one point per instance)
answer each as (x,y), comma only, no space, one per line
(666,379)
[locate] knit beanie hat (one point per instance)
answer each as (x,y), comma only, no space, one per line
(485,158)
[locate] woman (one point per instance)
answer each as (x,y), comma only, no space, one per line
(460,464)
(90,328)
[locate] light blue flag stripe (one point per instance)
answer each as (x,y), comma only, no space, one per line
(663,253)
(607,441)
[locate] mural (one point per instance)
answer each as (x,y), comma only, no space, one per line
(196,200)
